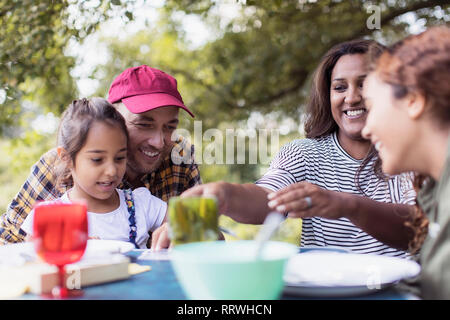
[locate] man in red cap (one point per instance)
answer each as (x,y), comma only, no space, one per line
(149,101)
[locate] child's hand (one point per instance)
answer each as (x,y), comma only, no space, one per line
(160,238)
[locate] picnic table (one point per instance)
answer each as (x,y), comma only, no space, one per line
(160,283)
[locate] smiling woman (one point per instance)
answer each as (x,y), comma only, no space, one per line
(323,178)
(315,178)
(347,106)
(336,91)
(408,95)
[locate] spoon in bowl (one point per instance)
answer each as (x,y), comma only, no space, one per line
(271,223)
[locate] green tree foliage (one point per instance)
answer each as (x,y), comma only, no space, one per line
(35,73)
(34,37)
(260,60)
(263,58)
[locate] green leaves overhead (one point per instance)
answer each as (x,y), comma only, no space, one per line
(260,58)
(263,58)
(34,39)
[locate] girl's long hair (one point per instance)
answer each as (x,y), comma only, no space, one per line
(74,127)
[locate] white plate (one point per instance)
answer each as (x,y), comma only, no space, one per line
(327,248)
(331,274)
(19,253)
(163,254)
(107,246)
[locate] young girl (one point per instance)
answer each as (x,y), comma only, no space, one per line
(92,147)
(408,95)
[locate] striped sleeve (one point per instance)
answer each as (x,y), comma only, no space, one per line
(286,168)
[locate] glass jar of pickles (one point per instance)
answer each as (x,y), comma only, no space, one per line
(193,219)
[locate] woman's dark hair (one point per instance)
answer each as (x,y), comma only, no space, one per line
(74,127)
(420,63)
(319,119)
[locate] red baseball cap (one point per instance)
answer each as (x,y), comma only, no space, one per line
(143,88)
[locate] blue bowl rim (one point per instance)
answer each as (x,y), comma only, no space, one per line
(179,254)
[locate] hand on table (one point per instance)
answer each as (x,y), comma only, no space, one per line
(160,238)
(305,200)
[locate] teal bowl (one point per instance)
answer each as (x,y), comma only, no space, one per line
(221,270)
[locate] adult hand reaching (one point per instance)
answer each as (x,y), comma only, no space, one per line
(215,189)
(304,200)
(244,203)
(160,238)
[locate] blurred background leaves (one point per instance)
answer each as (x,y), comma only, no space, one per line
(239,64)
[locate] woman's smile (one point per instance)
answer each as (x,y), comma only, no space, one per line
(355,113)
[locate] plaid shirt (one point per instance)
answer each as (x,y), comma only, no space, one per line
(170,179)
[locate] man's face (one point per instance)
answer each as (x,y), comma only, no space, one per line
(150,138)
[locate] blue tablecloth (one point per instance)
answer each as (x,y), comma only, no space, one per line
(160,283)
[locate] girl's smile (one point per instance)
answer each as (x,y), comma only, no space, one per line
(107,186)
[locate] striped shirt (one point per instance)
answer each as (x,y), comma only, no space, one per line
(325,163)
